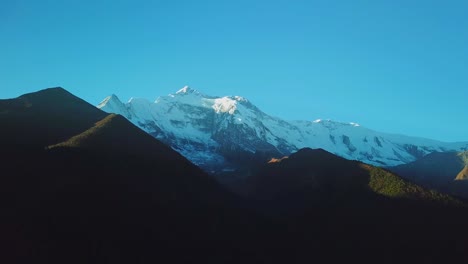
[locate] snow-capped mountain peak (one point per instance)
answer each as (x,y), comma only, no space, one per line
(211,130)
(108,100)
(186,90)
(113,105)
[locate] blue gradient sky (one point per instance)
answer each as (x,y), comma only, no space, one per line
(393,66)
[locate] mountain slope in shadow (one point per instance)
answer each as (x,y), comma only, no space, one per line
(317,169)
(439,171)
(82,186)
(114,134)
(45,117)
(349,210)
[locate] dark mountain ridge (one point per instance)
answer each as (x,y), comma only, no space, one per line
(309,172)
(350,210)
(45,117)
(93,188)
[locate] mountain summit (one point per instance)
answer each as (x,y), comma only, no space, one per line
(53,115)
(186,90)
(218,132)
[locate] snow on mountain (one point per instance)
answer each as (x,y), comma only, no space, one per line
(211,131)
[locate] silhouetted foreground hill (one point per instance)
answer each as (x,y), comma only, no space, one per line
(45,117)
(346,210)
(80,186)
(441,170)
(93,188)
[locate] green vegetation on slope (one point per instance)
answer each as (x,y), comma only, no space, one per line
(319,179)
(82,139)
(117,136)
(388,184)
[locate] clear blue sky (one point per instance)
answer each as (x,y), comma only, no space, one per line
(393,66)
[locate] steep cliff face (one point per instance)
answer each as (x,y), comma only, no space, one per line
(217,133)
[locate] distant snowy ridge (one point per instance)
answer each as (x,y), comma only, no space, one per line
(210,130)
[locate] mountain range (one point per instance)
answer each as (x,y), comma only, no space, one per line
(79,185)
(224,133)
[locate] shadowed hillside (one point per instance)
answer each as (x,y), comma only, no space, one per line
(93,188)
(114,134)
(45,117)
(363,212)
(438,171)
(323,177)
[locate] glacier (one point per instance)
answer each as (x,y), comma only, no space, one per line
(217,133)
